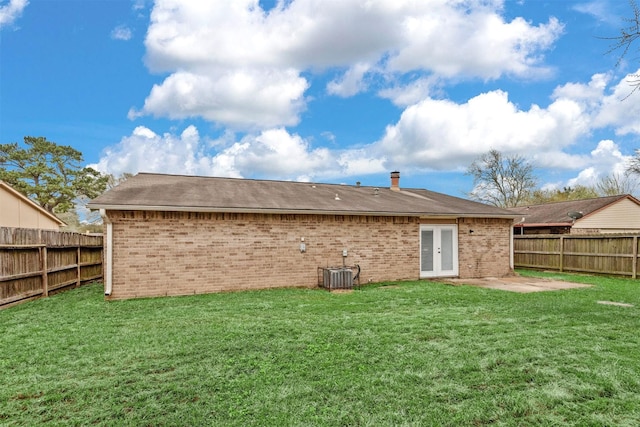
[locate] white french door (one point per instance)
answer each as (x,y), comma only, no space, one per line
(438,250)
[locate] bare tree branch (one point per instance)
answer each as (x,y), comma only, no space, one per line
(634,164)
(501,181)
(624,41)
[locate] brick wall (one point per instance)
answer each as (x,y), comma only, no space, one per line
(174,253)
(165,253)
(486,251)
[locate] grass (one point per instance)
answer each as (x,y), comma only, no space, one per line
(410,353)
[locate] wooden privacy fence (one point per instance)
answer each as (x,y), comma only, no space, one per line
(36,263)
(605,254)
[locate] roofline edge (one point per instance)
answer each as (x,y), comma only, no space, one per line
(45,212)
(284,211)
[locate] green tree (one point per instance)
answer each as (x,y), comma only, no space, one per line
(48,173)
(113,181)
(89,225)
(91,219)
(579,192)
(503,181)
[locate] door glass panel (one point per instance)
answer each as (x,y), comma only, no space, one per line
(446,246)
(426,258)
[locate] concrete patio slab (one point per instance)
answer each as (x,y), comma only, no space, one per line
(517,284)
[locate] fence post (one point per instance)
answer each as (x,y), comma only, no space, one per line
(45,274)
(33,274)
(561,253)
(634,264)
(78,281)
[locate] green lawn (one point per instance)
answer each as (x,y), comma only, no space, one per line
(409,353)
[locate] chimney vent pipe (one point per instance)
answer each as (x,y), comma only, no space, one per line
(395,181)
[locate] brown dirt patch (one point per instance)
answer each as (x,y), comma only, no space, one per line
(619,304)
(517,284)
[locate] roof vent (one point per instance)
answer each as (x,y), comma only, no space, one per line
(376,191)
(337,197)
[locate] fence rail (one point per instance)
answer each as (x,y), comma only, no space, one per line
(38,263)
(605,254)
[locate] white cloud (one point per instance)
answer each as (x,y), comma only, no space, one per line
(306,33)
(412,93)
(614,107)
(329,136)
(600,10)
(442,135)
(558,160)
(226,58)
(590,93)
(587,177)
(621,108)
(146,151)
(273,153)
(240,99)
(432,134)
(299,33)
(11,11)
(473,42)
(121,32)
(358,162)
(278,154)
(605,160)
(351,82)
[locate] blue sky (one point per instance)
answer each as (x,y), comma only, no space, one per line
(325,91)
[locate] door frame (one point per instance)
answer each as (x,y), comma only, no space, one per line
(437,245)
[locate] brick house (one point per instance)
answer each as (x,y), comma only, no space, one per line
(179,235)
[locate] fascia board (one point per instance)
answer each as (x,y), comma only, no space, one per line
(292,211)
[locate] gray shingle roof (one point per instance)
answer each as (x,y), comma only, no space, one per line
(147,191)
(557,213)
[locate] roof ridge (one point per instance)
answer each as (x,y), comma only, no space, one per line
(151,191)
(619,196)
(159,174)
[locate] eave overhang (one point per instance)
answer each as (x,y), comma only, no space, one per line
(208,209)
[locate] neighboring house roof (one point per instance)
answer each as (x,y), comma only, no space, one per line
(28,203)
(557,214)
(159,192)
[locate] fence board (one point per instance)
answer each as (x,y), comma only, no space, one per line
(35,263)
(604,254)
